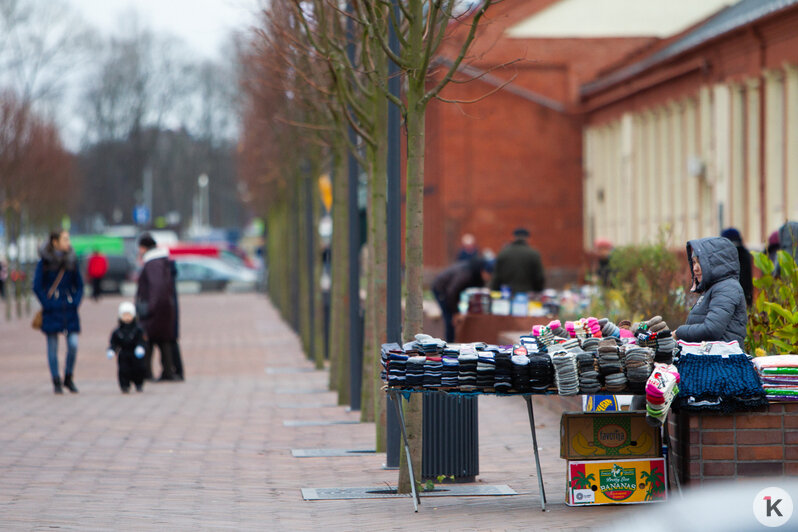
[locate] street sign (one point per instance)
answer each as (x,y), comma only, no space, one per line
(141,214)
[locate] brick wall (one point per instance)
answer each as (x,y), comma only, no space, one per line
(709,447)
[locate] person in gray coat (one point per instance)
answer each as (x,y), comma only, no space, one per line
(720,314)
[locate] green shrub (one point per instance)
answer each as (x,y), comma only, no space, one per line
(773,322)
(646,280)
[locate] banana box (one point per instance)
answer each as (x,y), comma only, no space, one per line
(636,481)
(602,435)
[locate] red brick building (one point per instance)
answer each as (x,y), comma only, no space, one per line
(514,157)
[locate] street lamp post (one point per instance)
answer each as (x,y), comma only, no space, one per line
(204,219)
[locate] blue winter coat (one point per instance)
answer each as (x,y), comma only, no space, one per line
(720,314)
(59,313)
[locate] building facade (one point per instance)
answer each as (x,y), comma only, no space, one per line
(698,135)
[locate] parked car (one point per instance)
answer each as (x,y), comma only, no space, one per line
(213,274)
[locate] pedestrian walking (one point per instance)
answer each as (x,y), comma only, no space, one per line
(128,345)
(156,306)
(3,277)
(59,287)
(518,266)
(96,269)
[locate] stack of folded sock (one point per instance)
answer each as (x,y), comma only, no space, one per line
(590,344)
(397,367)
(415,371)
(566,375)
(588,373)
(661,388)
(541,372)
(433,369)
(503,378)
(467,377)
(557,329)
(779,374)
(609,329)
(385,352)
(520,360)
(531,344)
(450,371)
(486,369)
(546,337)
(609,362)
(638,363)
(570,345)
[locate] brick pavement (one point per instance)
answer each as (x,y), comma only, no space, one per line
(212,453)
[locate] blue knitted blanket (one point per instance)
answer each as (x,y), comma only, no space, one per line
(726,383)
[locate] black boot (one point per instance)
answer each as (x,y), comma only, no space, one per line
(57,385)
(69,384)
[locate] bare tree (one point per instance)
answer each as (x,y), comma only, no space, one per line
(41,42)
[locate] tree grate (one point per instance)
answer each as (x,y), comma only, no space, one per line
(382,492)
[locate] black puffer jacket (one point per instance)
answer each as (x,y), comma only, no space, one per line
(720,313)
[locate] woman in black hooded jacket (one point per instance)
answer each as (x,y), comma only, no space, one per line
(720,314)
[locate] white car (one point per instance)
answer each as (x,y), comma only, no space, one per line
(213,274)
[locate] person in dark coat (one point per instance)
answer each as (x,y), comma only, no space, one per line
(156,306)
(449,283)
(788,239)
(59,288)
(746,263)
(518,266)
(127,343)
(720,314)
(468,248)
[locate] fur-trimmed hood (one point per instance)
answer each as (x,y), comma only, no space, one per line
(55,260)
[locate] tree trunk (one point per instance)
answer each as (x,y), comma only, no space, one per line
(414,264)
(339,304)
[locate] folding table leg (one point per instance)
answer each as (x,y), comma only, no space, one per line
(531,412)
(401,416)
(674,473)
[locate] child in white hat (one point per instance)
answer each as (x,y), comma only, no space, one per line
(127,342)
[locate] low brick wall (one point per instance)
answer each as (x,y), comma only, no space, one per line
(709,447)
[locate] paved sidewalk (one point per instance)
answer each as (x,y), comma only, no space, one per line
(212,453)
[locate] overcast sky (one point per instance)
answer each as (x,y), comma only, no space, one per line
(203,24)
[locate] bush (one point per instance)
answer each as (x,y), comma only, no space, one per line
(773,322)
(646,280)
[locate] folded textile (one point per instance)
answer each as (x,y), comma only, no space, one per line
(777,362)
(730,378)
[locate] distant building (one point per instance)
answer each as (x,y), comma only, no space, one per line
(514,156)
(698,134)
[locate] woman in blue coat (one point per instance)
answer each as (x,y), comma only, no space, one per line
(59,288)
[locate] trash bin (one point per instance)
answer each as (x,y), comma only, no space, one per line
(450,441)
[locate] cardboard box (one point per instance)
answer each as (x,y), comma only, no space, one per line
(602,435)
(616,482)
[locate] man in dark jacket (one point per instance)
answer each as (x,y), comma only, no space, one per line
(156,305)
(518,266)
(449,283)
(746,278)
(720,314)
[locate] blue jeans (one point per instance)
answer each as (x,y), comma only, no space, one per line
(52,353)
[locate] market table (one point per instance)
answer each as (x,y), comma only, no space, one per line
(394,397)
(470,328)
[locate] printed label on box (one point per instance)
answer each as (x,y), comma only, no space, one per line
(616,482)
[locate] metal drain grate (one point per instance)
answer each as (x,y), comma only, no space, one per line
(378,492)
(294,391)
(280,371)
(300,423)
(308,405)
(323,453)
